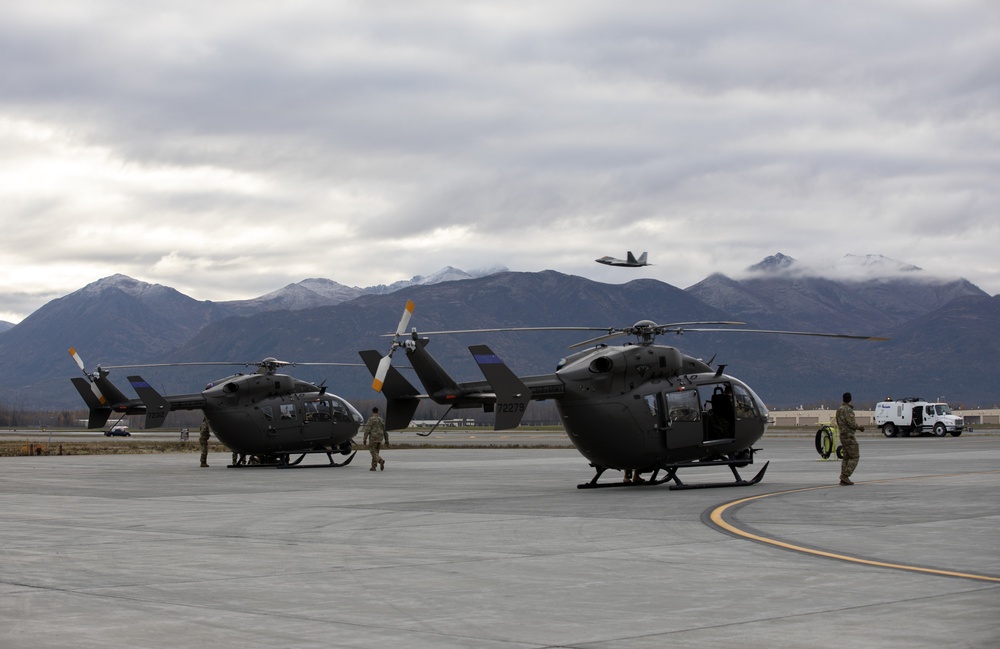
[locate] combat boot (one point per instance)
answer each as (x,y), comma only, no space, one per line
(381,465)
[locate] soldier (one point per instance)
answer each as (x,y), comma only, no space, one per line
(633,477)
(375,435)
(204,431)
(846,425)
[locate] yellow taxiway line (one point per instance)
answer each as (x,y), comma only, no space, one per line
(718,518)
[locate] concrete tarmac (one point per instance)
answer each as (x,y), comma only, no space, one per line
(497,548)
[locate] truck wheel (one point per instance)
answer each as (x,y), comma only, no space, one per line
(889,430)
(939,429)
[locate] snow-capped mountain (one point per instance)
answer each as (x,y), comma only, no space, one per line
(850,267)
(316,292)
(446,274)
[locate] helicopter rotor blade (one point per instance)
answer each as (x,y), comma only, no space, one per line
(787,333)
(331,364)
(193,364)
(90,379)
(646,331)
(672,325)
(79,361)
(502,329)
(381,372)
(405,320)
(383,365)
(591,341)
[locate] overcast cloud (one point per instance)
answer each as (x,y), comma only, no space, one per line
(229,148)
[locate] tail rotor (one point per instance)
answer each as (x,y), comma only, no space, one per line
(90,377)
(383,365)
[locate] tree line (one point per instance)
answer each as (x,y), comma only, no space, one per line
(13,417)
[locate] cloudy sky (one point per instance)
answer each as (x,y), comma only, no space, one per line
(227,149)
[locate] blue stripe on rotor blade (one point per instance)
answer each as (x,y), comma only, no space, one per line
(139,384)
(488,359)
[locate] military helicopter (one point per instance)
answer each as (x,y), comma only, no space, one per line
(263,415)
(637,408)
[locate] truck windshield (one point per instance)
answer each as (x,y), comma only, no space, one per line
(943,409)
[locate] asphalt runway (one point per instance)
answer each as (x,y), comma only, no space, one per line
(497,548)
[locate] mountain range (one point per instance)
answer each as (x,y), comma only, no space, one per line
(942,332)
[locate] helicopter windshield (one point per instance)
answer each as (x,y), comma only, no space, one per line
(746,407)
(352,412)
(331,409)
(748,404)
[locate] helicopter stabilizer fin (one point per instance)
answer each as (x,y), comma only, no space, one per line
(99,412)
(402,398)
(512,394)
(157,407)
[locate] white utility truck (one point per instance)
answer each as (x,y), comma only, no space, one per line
(916,416)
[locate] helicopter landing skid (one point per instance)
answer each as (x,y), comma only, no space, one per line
(283,462)
(292,465)
(671,475)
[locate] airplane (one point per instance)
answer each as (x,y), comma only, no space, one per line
(263,415)
(630,262)
(638,408)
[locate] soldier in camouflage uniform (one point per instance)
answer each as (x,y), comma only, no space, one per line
(374,437)
(846,425)
(204,432)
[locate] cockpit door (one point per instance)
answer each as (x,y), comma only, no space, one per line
(720,413)
(683,419)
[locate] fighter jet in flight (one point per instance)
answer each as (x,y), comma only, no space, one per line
(630,262)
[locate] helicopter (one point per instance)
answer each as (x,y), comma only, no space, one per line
(263,415)
(638,408)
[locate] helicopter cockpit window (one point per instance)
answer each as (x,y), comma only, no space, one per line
(746,407)
(317,410)
(683,406)
(287,411)
(267,412)
(340,412)
(651,404)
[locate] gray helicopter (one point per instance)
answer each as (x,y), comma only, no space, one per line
(640,408)
(263,415)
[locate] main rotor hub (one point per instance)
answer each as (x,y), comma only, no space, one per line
(645,331)
(269,365)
